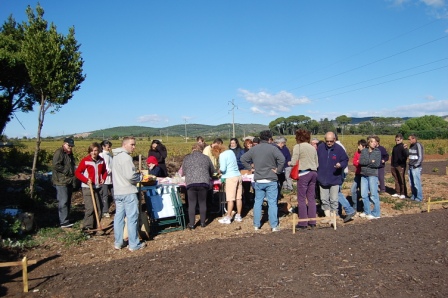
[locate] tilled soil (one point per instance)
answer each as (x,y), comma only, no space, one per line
(405,256)
(397,255)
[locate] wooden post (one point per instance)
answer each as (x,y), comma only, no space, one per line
(25,274)
(24,263)
(294,223)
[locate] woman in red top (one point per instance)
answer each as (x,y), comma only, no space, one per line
(91,171)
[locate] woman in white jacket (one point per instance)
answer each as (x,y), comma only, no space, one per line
(107,186)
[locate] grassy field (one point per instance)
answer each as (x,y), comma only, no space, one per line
(178,147)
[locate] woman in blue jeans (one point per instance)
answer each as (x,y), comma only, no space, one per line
(370,161)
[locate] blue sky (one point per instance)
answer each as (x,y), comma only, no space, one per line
(162,63)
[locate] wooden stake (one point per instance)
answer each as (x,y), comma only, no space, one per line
(294,223)
(98,223)
(25,274)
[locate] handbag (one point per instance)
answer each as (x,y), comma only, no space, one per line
(295,170)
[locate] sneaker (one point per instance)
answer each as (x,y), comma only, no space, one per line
(402,197)
(106,214)
(140,246)
(238,218)
(119,247)
(276,229)
(395,195)
(225,220)
(370,216)
(256,228)
(349,217)
(362,215)
(67,225)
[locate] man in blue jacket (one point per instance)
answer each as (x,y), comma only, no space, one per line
(332,161)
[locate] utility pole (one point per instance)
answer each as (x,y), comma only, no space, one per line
(233,115)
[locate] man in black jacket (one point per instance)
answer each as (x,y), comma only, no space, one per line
(63,178)
(398,167)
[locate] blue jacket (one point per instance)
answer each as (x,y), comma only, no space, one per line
(328,157)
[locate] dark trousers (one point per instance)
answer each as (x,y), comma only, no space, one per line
(197,195)
(306,191)
(64,196)
(105,188)
(381,179)
(89,213)
(400,182)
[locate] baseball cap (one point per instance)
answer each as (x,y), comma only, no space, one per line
(69,141)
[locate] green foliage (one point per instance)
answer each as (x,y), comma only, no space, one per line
(68,237)
(426,127)
(10,226)
(14,80)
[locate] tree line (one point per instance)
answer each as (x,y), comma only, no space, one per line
(425,127)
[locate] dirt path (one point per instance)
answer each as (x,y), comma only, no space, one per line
(405,256)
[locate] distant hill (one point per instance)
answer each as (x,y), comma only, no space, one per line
(364,119)
(193,130)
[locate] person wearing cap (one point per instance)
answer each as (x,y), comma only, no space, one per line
(63,178)
(153,167)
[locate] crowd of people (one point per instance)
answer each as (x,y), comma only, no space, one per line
(323,166)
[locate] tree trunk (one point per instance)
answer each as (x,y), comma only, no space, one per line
(41,117)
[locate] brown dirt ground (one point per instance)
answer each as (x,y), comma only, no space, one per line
(402,256)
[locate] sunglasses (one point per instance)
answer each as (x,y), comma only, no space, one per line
(329,141)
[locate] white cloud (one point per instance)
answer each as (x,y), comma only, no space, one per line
(272,104)
(153,118)
(434,3)
(429,97)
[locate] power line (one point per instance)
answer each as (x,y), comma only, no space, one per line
(370,63)
(378,77)
(381,83)
(370,48)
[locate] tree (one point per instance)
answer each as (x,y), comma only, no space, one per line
(342,121)
(54,65)
(326,125)
(14,80)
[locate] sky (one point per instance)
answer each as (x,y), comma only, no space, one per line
(163,63)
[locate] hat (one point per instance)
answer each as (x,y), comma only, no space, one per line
(153,160)
(69,141)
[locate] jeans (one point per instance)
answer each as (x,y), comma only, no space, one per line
(370,183)
(345,204)
(269,191)
(329,197)
(288,182)
(126,205)
(306,190)
(354,190)
(416,183)
(64,197)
